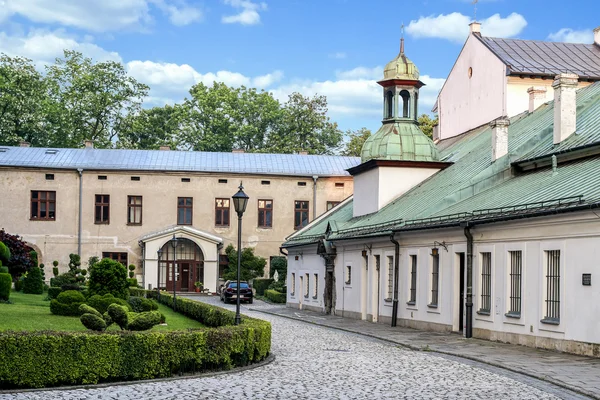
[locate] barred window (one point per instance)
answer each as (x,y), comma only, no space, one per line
(486,282)
(293,285)
(413,279)
(348,274)
(307,282)
(516,266)
(435,276)
(316,287)
(390,277)
(553,286)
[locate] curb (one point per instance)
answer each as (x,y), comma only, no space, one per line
(210,374)
(448,353)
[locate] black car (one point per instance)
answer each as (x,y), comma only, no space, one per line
(229,292)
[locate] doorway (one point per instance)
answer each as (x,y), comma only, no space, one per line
(189,266)
(461,291)
(185,276)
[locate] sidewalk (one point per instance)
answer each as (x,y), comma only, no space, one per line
(577,373)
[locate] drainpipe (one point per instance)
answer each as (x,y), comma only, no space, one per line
(80,171)
(143,246)
(315,177)
(281,251)
(469,303)
(396,274)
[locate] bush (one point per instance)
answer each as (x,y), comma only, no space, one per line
(71,286)
(93,322)
(278,286)
(143,321)
(5,286)
(132,282)
(20,257)
(101,303)
(275,296)
(3,270)
(137,292)
(131,270)
(107,319)
(204,313)
(118,315)
(140,304)
(108,276)
(85,309)
(54,271)
(279,264)
(4,253)
(19,285)
(260,285)
(33,283)
(67,303)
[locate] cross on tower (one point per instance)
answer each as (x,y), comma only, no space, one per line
(475,8)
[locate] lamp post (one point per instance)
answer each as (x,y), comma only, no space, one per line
(174,245)
(240,201)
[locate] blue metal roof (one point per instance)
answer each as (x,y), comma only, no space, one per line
(184,161)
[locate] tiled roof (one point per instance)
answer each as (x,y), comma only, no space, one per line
(185,161)
(474,188)
(532,57)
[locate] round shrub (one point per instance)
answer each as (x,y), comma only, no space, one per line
(53,292)
(143,321)
(3,270)
(132,282)
(85,309)
(67,303)
(4,252)
(55,271)
(108,276)
(5,286)
(140,304)
(118,314)
(93,322)
(107,319)
(33,283)
(101,303)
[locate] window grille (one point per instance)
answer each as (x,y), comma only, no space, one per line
(390,278)
(348,274)
(293,292)
(516,266)
(413,279)
(553,285)
(316,287)
(435,276)
(307,282)
(486,282)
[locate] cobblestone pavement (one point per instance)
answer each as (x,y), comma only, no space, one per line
(314,362)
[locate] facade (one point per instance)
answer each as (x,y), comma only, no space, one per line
(491,78)
(492,234)
(129,204)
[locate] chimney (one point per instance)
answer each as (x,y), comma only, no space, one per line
(238,151)
(537,97)
(597,36)
(303,152)
(164,148)
(24,144)
(89,144)
(475,27)
(499,137)
(565,106)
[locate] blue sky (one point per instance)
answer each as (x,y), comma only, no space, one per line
(332,47)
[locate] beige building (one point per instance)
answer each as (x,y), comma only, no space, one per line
(129,204)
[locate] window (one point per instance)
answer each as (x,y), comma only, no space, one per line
(222,180)
(301,284)
(102,177)
(306,280)
(486,283)
(134,210)
(135,178)
(413,279)
(435,279)
(316,287)
(293,288)
(49,177)
(390,278)
(185,180)
(43,205)
(102,211)
(389,104)
(300,214)
(552,286)
(301,183)
(222,212)
(405,103)
(265,213)
(119,257)
(184,210)
(339,184)
(348,274)
(515,283)
(265,182)
(331,204)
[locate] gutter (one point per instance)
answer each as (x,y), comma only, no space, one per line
(469,302)
(396,273)
(315,177)
(80,171)
(281,251)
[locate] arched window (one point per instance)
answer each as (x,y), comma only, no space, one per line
(405,103)
(389,104)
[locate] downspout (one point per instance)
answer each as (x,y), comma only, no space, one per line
(80,171)
(281,251)
(315,177)
(396,274)
(143,246)
(469,303)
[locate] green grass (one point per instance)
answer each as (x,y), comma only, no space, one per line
(29,312)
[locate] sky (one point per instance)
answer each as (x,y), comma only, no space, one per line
(335,48)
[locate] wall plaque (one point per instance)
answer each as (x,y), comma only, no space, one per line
(586,279)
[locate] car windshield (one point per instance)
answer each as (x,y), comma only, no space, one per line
(242,285)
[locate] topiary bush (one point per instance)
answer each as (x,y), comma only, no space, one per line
(278,286)
(140,304)
(93,322)
(4,253)
(67,303)
(5,286)
(137,292)
(260,285)
(131,270)
(108,276)
(143,321)
(132,282)
(101,303)
(118,315)
(204,313)
(275,296)
(19,284)
(33,283)
(85,309)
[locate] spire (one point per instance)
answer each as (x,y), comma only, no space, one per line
(402,39)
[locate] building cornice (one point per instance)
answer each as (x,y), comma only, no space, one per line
(371,164)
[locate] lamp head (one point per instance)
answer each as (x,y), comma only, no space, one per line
(240,201)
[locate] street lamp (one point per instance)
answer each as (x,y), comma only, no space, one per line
(240,201)
(174,245)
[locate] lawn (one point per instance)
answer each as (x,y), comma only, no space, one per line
(29,312)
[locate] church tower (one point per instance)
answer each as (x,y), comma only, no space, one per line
(399,155)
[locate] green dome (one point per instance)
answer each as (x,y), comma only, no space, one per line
(401,68)
(400,140)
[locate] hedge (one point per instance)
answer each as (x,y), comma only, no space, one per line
(72,358)
(5,286)
(204,313)
(261,285)
(275,296)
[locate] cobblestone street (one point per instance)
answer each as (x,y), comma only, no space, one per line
(314,362)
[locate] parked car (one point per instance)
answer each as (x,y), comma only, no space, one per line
(229,292)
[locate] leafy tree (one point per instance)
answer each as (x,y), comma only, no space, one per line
(108,276)
(255,117)
(279,264)
(356,141)
(251,266)
(20,257)
(426,124)
(152,128)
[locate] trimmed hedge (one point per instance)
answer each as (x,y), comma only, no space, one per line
(275,296)
(5,286)
(137,292)
(261,285)
(72,358)
(101,303)
(204,313)
(67,303)
(140,304)
(53,292)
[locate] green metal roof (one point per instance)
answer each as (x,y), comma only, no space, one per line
(401,67)
(399,140)
(475,188)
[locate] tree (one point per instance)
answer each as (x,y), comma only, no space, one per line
(426,124)
(279,264)
(356,141)
(89,100)
(152,128)
(20,257)
(33,283)
(108,276)
(251,266)
(255,117)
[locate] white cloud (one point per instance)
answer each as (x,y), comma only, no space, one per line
(249,14)
(338,55)
(179,12)
(569,35)
(267,80)
(455,26)
(374,73)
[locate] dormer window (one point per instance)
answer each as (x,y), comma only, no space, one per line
(405,103)
(389,104)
